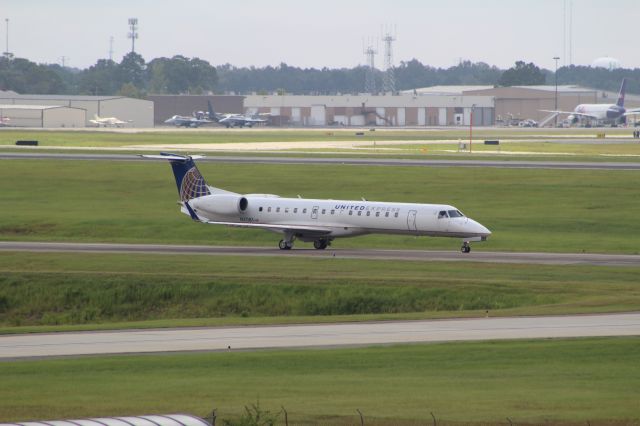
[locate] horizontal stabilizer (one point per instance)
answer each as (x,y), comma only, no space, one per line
(174,157)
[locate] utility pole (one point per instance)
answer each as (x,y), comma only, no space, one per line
(6,51)
(555,58)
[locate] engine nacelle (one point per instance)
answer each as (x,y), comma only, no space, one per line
(223,204)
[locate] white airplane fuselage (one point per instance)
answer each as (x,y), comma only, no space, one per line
(343,218)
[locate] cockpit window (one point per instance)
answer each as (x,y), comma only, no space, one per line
(442,214)
(455,213)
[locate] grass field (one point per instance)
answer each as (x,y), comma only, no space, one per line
(551,382)
(527,210)
(103,137)
(47,292)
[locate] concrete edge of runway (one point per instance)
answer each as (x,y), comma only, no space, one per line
(540,258)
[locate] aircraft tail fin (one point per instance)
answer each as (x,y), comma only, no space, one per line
(189,181)
(623,87)
(212,114)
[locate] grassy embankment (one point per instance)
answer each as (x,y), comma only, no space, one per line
(47,292)
(527,210)
(557,382)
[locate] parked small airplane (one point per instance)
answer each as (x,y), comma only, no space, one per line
(183,121)
(311,220)
(605,113)
(233,120)
(108,121)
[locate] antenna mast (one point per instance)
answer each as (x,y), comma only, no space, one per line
(389,81)
(370,78)
(133,33)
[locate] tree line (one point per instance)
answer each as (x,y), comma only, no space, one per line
(135,77)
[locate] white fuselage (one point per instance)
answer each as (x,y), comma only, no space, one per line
(598,111)
(343,218)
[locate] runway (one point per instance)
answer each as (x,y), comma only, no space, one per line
(315,336)
(407,255)
(254,159)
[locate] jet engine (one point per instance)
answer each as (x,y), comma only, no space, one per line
(223,204)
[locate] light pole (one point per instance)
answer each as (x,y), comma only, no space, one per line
(471,128)
(555,58)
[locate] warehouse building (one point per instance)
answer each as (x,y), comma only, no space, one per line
(44,116)
(138,111)
(369,110)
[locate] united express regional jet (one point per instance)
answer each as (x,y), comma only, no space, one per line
(317,221)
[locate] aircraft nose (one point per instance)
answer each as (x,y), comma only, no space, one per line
(479,229)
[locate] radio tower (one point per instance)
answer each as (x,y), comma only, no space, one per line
(389,80)
(370,77)
(133,32)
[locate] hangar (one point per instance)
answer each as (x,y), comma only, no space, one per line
(524,102)
(138,111)
(368,110)
(45,116)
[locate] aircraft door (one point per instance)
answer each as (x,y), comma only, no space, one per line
(314,212)
(411,220)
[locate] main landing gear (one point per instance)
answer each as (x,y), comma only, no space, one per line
(321,244)
(466,248)
(285,245)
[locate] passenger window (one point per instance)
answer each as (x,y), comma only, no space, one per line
(377,214)
(278,210)
(386,214)
(360,213)
(295,210)
(269,209)
(350,212)
(286,209)
(304,210)
(260,209)
(396,215)
(368,213)
(324,211)
(333,211)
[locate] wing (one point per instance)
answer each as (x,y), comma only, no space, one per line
(635,111)
(571,113)
(319,230)
(295,228)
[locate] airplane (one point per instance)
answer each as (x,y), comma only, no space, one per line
(4,121)
(314,220)
(183,121)
(612,113)
(108,121)
(232,120)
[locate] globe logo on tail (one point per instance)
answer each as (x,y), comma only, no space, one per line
(193,185)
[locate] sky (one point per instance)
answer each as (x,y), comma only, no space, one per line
(326,33)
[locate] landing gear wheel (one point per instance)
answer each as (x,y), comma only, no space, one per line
(466,248)
(320,244)
(284,245)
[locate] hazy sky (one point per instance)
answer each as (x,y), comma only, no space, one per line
(325,33)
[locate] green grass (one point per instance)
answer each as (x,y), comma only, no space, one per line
(554,382)
(82,138)
(527,210)
(62,291)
